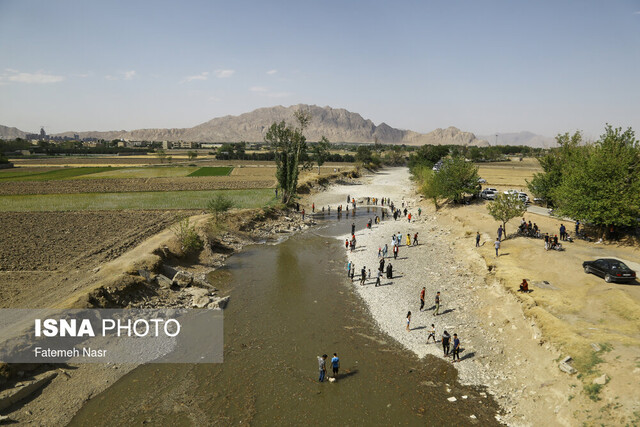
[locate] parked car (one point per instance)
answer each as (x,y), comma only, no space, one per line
(482,180)
(524,197)
(488,194)
(611,269)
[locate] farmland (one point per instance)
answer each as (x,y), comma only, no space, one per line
(245,198)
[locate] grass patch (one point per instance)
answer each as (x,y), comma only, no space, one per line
(593,391)
(250,198)
(58,174)
(212,171)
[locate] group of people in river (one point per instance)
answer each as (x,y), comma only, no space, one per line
(322,365)
(450,344)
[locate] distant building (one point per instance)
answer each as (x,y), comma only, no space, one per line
(166,145)
(185,144)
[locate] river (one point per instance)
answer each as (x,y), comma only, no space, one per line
(291,302)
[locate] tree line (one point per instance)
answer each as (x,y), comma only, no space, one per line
(597,182)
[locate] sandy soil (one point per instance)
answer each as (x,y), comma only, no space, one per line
(506,346)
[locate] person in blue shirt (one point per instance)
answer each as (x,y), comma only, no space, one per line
(456,348)
(335,365)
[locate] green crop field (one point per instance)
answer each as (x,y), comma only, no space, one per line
(56,174)
(144,172)
(139,200)
(212,171)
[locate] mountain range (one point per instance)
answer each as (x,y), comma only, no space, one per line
(337,124)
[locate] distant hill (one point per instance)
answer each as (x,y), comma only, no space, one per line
(11,133)
(521,138)
(337,124)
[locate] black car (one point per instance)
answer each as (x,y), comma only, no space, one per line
(611,269)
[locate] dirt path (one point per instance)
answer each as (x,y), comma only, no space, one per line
(503,349)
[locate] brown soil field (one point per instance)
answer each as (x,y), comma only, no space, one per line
(41,250)
(507,175)
(135,185)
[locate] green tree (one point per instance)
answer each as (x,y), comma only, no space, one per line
(321,152)
(363,154)
(429,186)
(601,184)
(224,152)
(475,154)
(456,178)
(161,155)
(428,155)
(554,164)
(219,205)
(289,146)
(192,154)
(395,156)
(506,207)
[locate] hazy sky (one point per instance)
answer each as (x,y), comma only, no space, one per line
(482,66)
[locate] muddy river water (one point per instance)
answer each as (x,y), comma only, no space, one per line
(291,302)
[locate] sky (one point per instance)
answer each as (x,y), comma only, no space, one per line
(547,67)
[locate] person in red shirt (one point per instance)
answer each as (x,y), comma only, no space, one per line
(422,298)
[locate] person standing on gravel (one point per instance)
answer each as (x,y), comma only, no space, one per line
(435,313)
(445,343)
(395,252)
(456,348)
(415,239)
(422,298)
(378,278)
(353,228)
(419,212)
(353,272)
(349,268)
(408,239)
(381,268)
(432,333)
(385,250)
(496,244)
(500,233)
(409,322)
(477,239)
(363,274)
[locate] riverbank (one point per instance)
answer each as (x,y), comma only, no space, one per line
(503,349)
(143,277)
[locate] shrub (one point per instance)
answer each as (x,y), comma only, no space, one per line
(220,204)
(188,237)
